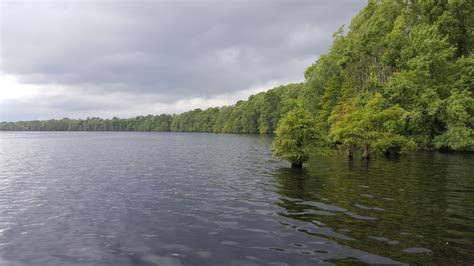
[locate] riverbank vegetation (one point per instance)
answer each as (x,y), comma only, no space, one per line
(400,77)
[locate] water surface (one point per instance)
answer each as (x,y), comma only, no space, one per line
(104,198)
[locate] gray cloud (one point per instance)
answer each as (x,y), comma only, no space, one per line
(173,50)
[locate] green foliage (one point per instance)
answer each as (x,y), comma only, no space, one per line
(370,126)
(259,114)
(296,133)
(456,138)
(457,115)
(417,55)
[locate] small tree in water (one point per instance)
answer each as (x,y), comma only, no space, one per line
(295,134)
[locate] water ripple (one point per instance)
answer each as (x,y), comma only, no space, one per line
(206,199)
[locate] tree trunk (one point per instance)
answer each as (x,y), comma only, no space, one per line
(366,154)
(351,151)
(296,165)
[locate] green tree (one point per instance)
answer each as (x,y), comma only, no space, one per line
(371,127)
(296,133)
(457,114)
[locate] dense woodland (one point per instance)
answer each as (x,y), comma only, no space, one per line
(400,77)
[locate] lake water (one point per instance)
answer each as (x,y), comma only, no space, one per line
(104,198)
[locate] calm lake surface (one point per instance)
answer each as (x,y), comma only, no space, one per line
(105,198)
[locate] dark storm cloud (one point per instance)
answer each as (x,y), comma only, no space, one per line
(165,51)
(177,48)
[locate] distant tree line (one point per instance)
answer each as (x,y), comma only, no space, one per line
(259,114)
(401,77)
(139,123)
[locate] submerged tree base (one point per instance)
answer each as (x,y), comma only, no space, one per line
(297,165)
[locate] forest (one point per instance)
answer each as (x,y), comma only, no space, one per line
(399,77)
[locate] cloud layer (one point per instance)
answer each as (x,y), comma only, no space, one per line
(124,58)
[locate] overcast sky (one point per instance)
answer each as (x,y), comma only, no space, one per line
(126,58)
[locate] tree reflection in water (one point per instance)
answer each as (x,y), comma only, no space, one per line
(415,209)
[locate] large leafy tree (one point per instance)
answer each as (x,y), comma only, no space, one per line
(370,127)
(457,113)
(296,133)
